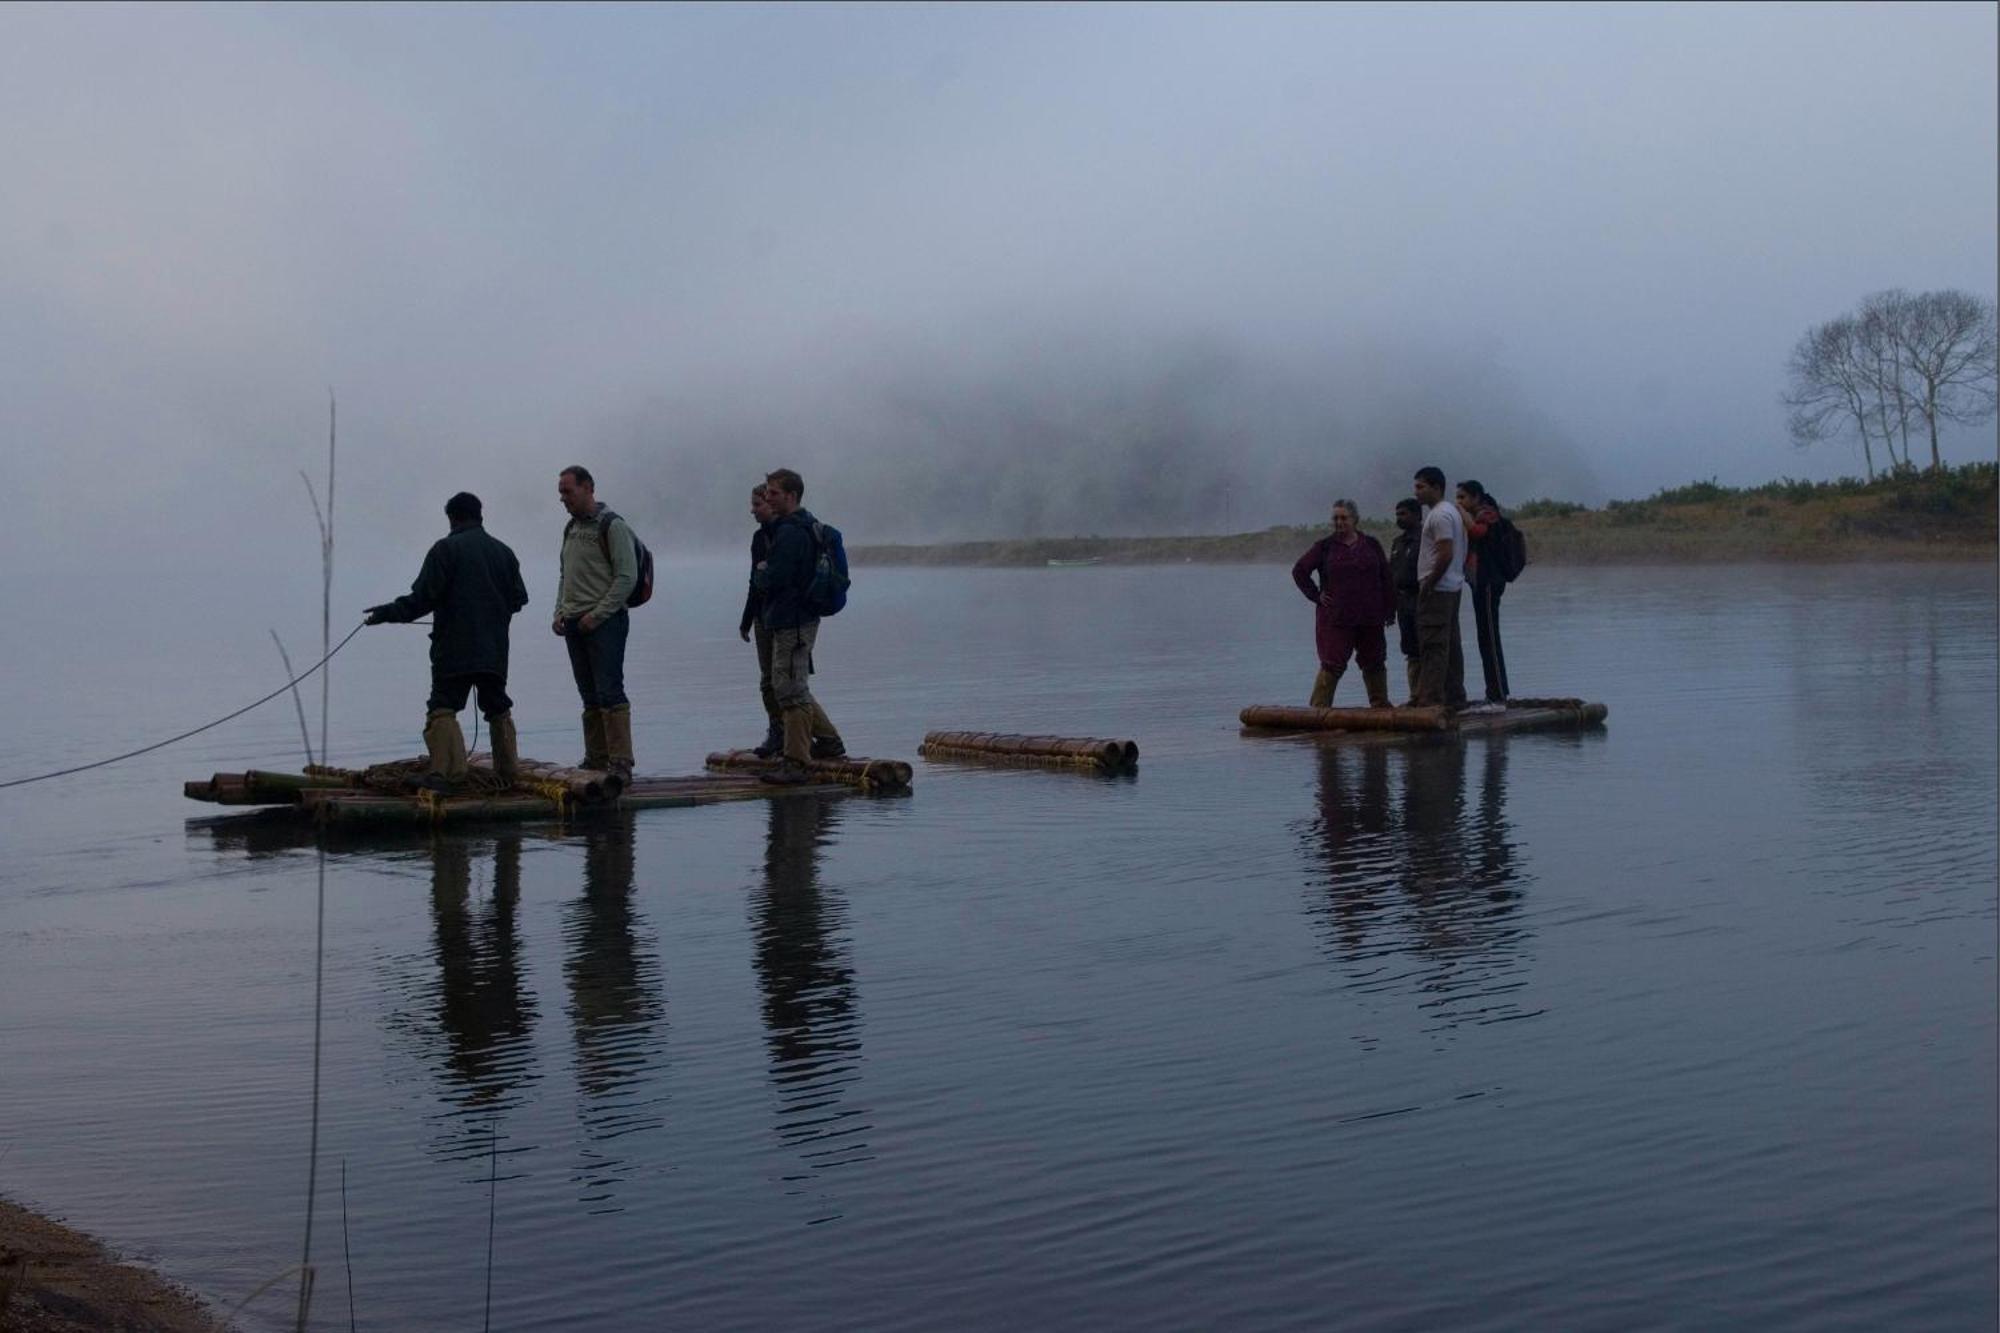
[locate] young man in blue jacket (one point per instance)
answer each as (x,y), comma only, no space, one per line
(786,575)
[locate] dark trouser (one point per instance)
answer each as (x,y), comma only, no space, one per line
(1406,624)
(1366,644)
(597,660)
(1441,675)
(1492,661)
(451,692)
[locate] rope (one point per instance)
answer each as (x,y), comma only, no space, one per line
(159,745)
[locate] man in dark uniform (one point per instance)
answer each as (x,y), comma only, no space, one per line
(471,587)
(753,622)
(1403,569)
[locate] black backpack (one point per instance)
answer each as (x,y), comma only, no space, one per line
(642,586)
(1510,548)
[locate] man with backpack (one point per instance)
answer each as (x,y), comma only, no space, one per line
(1494,559)
(470,586)
(804,577)
(603,572)
(826,741)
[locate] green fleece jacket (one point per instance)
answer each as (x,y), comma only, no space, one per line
(590,583)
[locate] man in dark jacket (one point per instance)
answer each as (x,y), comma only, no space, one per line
(471,587)
(826,742)
(1403,569)
(784,579)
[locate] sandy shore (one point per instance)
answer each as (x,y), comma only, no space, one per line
(55,1280)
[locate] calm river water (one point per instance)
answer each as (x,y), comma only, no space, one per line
(1689,1023)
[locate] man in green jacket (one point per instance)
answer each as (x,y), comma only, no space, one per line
(470,586)
(600,565)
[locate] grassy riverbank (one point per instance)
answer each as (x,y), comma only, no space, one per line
(1947,517)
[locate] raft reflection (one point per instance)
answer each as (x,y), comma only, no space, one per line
(484,1013)
(617,1010)
(804,971)
(1404,868)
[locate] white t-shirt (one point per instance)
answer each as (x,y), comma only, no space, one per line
(1442,522)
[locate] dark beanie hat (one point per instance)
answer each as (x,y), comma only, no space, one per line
(463,507)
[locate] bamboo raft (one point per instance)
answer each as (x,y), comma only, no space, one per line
(378,795)
(1087,752)
(1400,723)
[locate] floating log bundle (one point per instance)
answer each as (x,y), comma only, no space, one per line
(383,794)
(1280,717)
(1088,752)
(1519,715)
(871,775)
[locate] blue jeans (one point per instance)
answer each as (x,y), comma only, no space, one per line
(597,660)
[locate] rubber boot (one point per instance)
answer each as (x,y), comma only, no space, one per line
(1323,687)
(1377,681)
(618,742)
(1410,666)
(826,742)
(798,748)
(595,757)
(446,744)
(773,743)
(506,748)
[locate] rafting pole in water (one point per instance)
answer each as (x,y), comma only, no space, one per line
(1109,756)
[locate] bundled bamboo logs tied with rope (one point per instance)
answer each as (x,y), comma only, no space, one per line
(1086,752)
(872,775)
(1519,715)
(1282,717)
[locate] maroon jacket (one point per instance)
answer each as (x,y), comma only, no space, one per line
(1354,586)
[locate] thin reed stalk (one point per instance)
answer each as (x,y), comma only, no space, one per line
(305,737)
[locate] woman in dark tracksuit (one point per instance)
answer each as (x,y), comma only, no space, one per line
(1484,572)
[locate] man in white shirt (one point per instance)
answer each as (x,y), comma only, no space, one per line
(1440,580)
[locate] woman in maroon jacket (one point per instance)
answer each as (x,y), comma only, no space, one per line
(1355,600)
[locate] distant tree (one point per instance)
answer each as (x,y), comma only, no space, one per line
(1949,354)
(1881,326)
(1896,359)
(1830,391)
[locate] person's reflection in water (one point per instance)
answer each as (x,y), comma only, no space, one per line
(617,1010)
(484,1012)
(1437,883)
(808,985)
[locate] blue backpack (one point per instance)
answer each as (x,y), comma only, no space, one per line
(826,595)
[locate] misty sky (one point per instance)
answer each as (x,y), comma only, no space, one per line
(973,270)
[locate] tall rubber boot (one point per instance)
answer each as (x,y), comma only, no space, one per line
(1323,687)
(595,757)
(618,742)
(1377,681)
(798,748)
(446,744)
(826,742)
(506,748)
(773,743)
(1412,667)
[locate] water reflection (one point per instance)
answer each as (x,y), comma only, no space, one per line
(617,1010)
(1409,867)
(807,978)
(484,1012)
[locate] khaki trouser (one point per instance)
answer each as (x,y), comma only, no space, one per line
(791,688)
(822,725)
(1441,669)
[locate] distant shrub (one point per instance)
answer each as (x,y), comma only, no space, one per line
(1756,509)
(1547,509)
(1694,493)
(1631,513)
